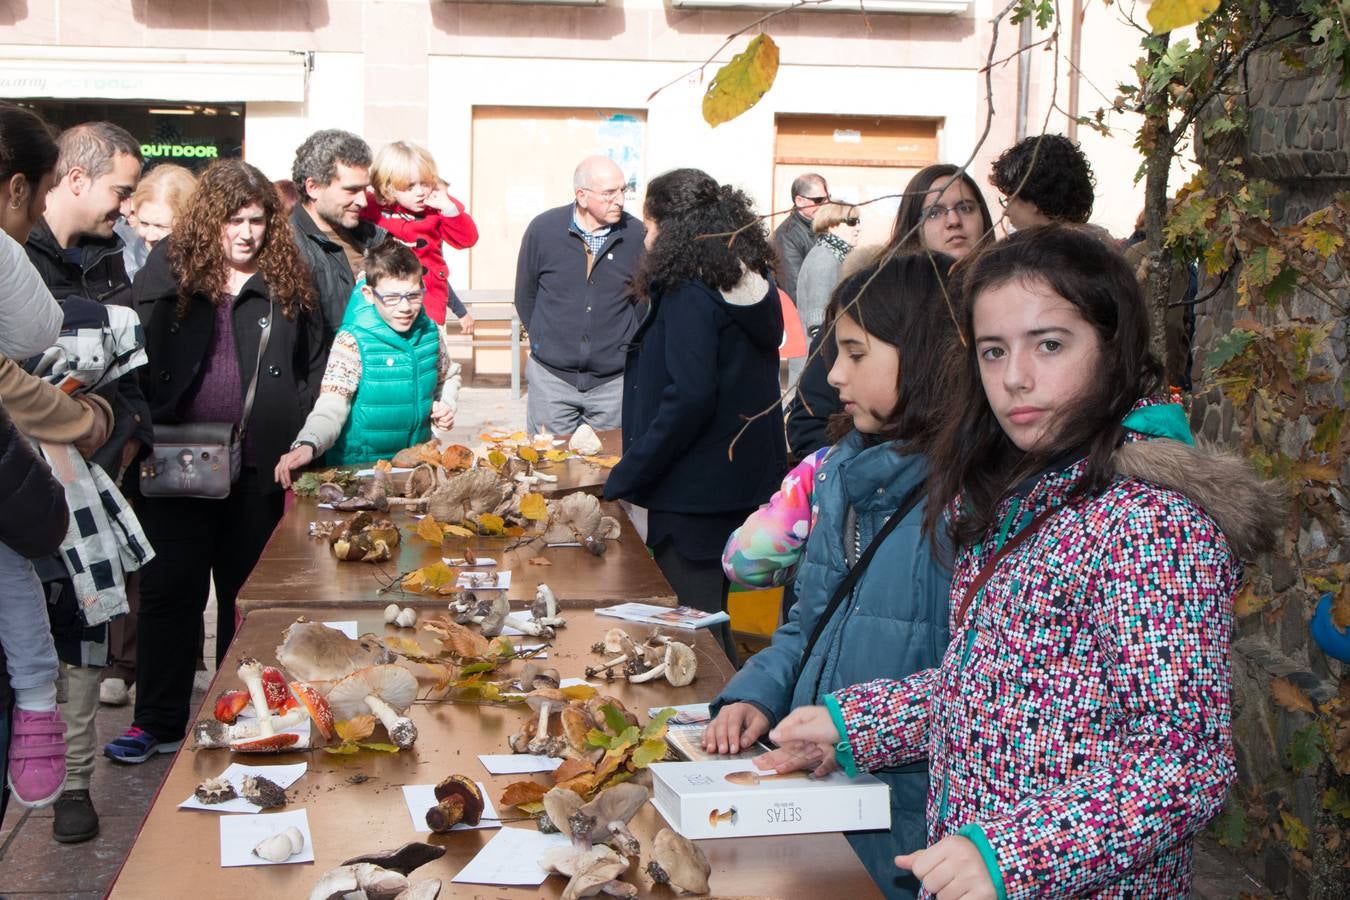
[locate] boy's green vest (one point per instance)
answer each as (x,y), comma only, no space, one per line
(392,406)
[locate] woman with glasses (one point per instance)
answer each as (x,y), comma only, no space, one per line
(389,379)
(225,300)
(942,211)
(836,229)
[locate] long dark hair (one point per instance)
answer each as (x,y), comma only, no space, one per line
(907,234)
(688,206)
(196,253)
(27,146)
(900,302)
(979,463)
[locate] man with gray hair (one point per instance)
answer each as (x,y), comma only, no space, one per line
(331,173)
(574,297)
(794,238)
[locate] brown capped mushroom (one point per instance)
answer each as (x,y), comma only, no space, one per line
(679,862)
(605,818)
(262,792)
(387,691)
(498,611)
(457,800)
(215,790)
(404,860)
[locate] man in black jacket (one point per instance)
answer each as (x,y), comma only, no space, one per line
(76,252)
(331,172)
(793,238)
(574,297)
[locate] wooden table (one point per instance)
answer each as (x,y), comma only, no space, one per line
(176,853)
(297,570)
(576,474)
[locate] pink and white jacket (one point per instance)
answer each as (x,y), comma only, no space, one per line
(1078,728)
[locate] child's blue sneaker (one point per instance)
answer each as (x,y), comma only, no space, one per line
(136,746)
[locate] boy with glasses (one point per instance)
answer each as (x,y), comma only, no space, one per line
(389,380)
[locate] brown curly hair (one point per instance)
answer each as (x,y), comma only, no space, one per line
(197,253)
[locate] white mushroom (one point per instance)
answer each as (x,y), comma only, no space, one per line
(282,846)
(391,613)
(545,605)
(406,618)
(545,701)
(387,691)
(359,880)
(679,665)
(592,872)
(585,441)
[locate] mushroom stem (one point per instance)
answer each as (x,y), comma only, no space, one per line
(652,673)
(250,672)
(544,710)
(530,627)
(401,730)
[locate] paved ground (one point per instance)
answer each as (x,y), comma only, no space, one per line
(33,866)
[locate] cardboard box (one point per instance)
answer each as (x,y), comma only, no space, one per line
(699,802)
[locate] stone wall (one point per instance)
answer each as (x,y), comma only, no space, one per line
(1299,138)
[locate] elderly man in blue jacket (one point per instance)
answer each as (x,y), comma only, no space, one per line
(574,297)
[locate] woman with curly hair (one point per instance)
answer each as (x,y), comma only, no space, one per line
(701,372)
(224,299)
(1044,178)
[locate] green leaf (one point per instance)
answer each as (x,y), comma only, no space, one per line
(375,745)
(597,738)
(1294,830)
(1228,348)
(657,723)
(1305,747)
(501,646)
(475,668)
(1191,218)
(739,84)
(1320,31)
(1280,286)
(627,738)
(1260,266)
(1333,802)
(1166,15)
(650,751)
(1327,434)
(615,723)
(342,749)
(1230,828)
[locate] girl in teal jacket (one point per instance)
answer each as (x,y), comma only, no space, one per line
(389,379)
(829,510)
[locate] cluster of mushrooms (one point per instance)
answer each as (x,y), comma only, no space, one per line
(602,846)
(658,656)
(577,718)
(382,876)
(337,678)
(492,613)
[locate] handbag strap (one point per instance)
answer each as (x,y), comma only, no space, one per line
(257,368)
(987,570)
(845,587)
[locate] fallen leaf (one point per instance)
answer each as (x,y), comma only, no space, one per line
(496,459)
(1290,696)
(383,748)
(517,437)
(571,768)
(429,453)
(556,455)
(578,691)
(489,524)
(649,751)
(513,531)
(458,531)
(431,531)
(357,728)
(463,640)
(539,561)
(404,646)
(534,507)
(529,454)
(518,792)
(582,784)
(607,462)
(457,456)
(432,577)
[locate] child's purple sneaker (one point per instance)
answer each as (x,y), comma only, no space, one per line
(37,757)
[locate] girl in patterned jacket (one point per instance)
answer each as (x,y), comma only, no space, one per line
(1078,727)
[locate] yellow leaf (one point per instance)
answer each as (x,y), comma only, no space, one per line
(432,577)
(458,531)
(1290,696)
(607,462)
(739,84)
(490,524)
(357,728)
(556,455)
(1165,15)
(343,748)
(529,454)
(404,646)
(383,748)
(578,691)
(428,529)
(517,437)
(496,459)
(534,507)
(1248,602)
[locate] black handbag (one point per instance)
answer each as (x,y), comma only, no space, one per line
(201,459)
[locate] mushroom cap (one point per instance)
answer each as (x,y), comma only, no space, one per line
(311,651)
(404,860)
(559,805)
(466,789)
(539,696)
(615,804)
(576,724)
(681,663)
(282,740)
(496,615)
(681,862)
(394,685)
(317,707)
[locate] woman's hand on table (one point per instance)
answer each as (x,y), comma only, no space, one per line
(951,869)
(737,726)
(805,725)
(295,459)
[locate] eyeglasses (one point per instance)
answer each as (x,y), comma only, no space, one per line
(852,221)
(390,301)
(937,212)
(818,200)
(610,195)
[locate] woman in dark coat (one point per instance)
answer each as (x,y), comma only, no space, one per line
(228,275)
(702,373)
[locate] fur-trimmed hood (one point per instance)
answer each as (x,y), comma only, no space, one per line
(1248,509)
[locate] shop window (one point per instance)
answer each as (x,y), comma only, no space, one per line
(189,135)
